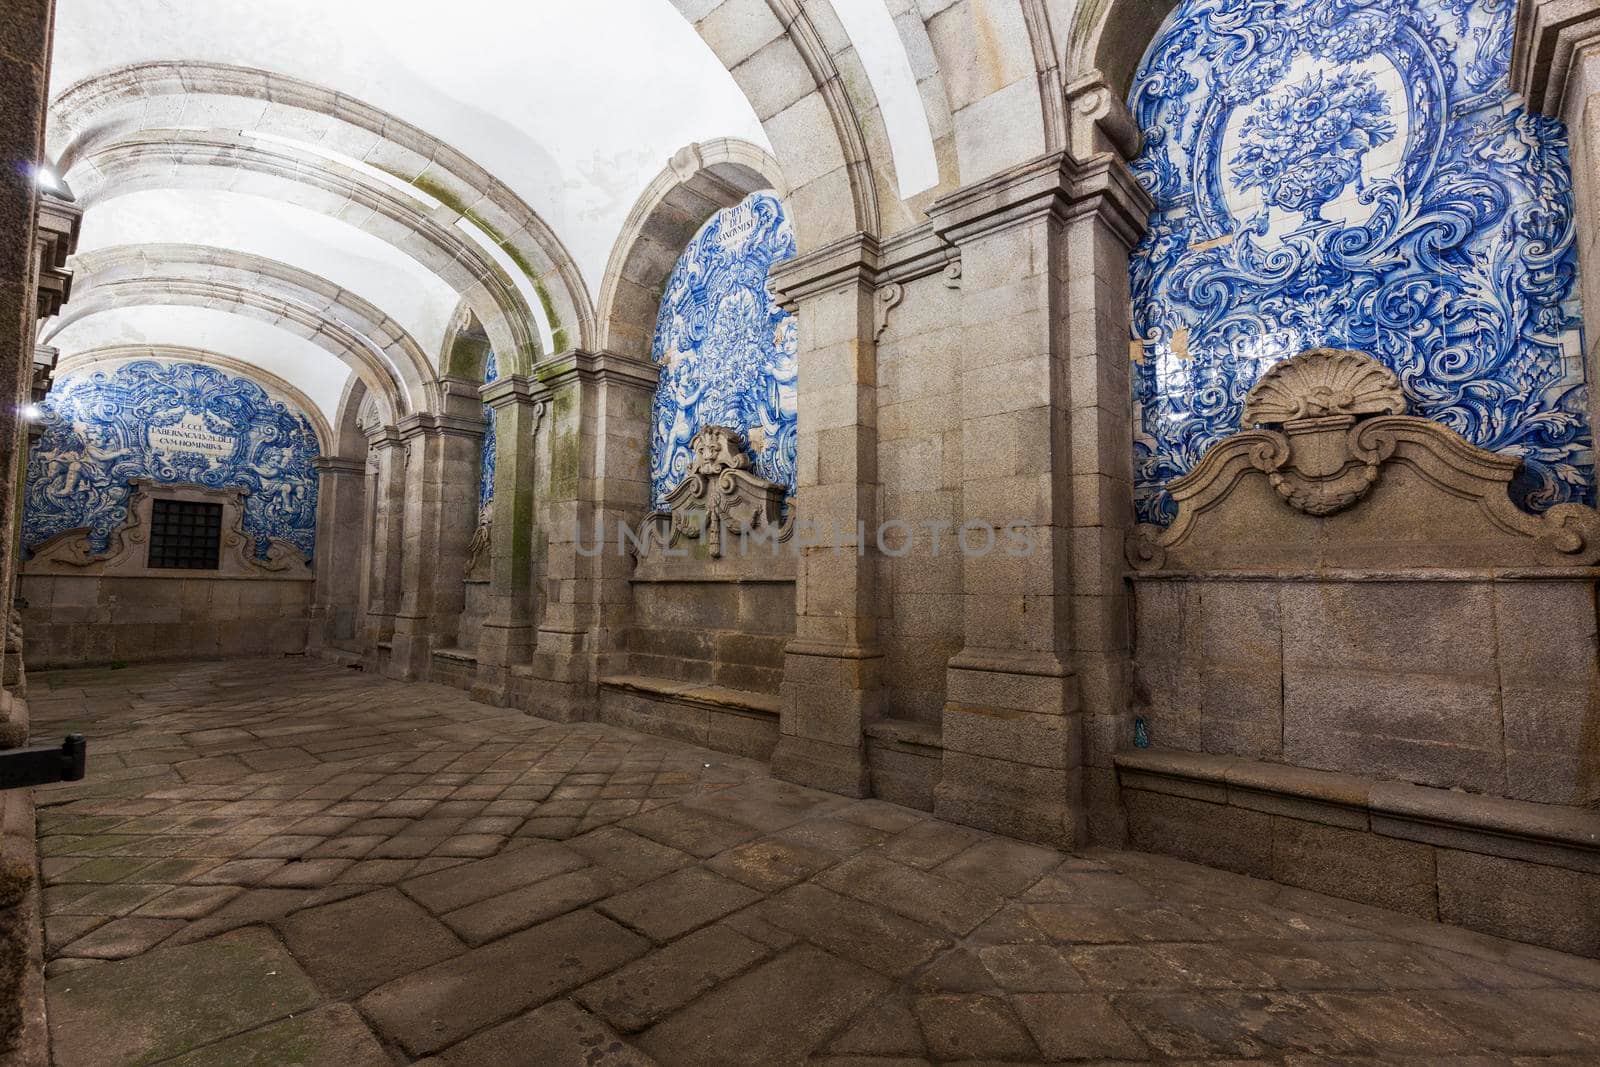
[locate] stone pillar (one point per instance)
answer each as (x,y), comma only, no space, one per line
(506,638)
(443,456)
(386,478)
(1555,65)
(24,94)
(1047,447)
(832,669)
(598,474)
(341,525)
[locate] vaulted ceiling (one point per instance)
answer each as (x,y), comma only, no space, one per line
(317,188)
(331,189)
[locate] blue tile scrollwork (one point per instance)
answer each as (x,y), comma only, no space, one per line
(1354,173)
(491,373)
(172,423)
(725,348)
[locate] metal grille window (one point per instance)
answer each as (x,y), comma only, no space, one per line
(185,534)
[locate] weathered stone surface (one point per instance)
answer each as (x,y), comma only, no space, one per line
(439,1005)
(563,1034)
(167,1002)
(677,903)
(1079,953)
(800,997)
(456,888)
(333,1036)
(650,988)
(360,943)
(497,916)
(862,932)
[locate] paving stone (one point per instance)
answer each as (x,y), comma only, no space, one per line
(950,906)
(799,999)
(1097,955)
(239,872)
(690,831)
(1031,968)
(564,1034)
(189,902)
(1077,1026)
(972,1026)
(678,902)
(358,944)
(521,908)
(649,988)
(635,858)
(111,900)
(770,864)
(929,842)
(888,1028)
(307,874)
(260,905)
(333,1036)
(125,937)
(169,1001)
(437,1006)
(871,936)
(1000,865)
(455,888)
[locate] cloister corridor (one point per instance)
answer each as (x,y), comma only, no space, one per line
(280,861)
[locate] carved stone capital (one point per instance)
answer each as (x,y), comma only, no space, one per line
(1551,39)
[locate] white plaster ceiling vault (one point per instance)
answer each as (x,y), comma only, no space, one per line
(316,187)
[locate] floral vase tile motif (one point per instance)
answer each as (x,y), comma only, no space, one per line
(1354,173)
(725,348)
(172,422)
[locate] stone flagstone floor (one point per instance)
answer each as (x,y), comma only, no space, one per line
(286,862)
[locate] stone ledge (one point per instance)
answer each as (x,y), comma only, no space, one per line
(738,721)
(459,655)
(1558,835)
(906,732)
(716,697)
(1508,867)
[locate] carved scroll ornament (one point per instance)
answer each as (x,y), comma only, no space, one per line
(1325,428)
(719,497)
(73,548)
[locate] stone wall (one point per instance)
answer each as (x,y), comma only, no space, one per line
(1363,670)
(920,471)
(82,620)
(1482,682)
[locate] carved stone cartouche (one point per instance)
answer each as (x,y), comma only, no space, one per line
(1325,427)
(719,496)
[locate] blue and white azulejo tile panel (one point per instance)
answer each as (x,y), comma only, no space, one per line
(726,350)
(491,373)
(171,422)
(1354,173)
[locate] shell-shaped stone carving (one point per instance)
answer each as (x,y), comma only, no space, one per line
(1323,382)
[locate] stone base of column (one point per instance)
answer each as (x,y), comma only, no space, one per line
(500,647)
(410,649)
(562,686)
(828,695)
(1013,748)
